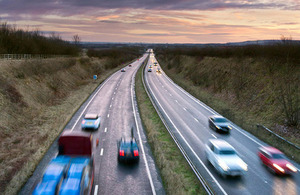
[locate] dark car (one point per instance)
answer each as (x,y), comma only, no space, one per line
(219,123)
(128,150)
(129,65)
(155,63)
(149,70)
(276,161)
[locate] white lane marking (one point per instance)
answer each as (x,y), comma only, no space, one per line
(112,98)
(207,170)
(170,94)
(105,130)
(208,108)
(110,106)
(101,152)
(107,115)
(96,190)
(114,92)
(184,108)
(163,86)
(176,101)
(214,136)
(196,119)
(138,131)
(91,101)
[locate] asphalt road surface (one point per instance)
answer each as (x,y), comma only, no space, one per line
(114,101)
(188,119)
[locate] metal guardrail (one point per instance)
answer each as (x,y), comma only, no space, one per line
(28,56)
(259,126)
(197,173)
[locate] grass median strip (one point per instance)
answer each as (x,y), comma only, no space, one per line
(177,176)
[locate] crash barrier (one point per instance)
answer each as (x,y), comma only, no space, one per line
(28,56)
(271,133)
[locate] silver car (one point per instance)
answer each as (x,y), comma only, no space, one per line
(224,158)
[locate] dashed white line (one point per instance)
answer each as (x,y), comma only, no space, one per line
(110,106)
(112,98)
(170,94)
(96,190)
(101,152)
(214,136)
(176,101)
(184,108)
(105,130)
(196,119)
(107,115)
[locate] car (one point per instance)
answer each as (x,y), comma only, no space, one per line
(150,66)
(149,70)
(129,65)
(123,70)
(53,176)
(219,124)
(275,161)
(91,121)
(128,150)
(158,70)
(224,158)
(155,63)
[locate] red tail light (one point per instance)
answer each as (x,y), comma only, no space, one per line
(136,153)
(121,152)
(83,122)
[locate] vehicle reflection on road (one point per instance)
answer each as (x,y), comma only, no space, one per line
(284,185)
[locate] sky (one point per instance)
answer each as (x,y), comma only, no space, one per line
(157,21)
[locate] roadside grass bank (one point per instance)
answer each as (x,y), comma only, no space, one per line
(247,91)
(177,176)
(37,99)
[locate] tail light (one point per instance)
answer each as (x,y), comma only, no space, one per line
(83,122)
(136,153)
(121,152)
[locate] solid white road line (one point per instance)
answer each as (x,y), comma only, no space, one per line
(138,131)
(96,190)
(91,101)
(101,152)
(105,130)
(189,146)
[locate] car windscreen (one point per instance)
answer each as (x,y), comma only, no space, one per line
(278,156)
(227,152)
(220,120)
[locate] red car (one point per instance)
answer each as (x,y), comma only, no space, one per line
(276,161)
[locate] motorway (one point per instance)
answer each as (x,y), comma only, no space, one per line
(114,101)
(187,118)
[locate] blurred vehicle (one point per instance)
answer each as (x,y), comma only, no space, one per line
(128,150)
(129,65)
(219,123)
(123,70)
(158,70)
(275,160)
(224,158)
(150,66)
(155,63)
(91,121)
(149,70)
(72,171)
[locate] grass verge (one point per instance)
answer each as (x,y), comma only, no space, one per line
(177,176)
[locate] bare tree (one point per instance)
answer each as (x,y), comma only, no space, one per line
(76,40)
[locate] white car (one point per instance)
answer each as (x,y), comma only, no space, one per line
(224,158)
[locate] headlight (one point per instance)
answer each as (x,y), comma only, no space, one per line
(291,167)
(243,165)
(229,127)
(278,167)
(223,165)
(218,127)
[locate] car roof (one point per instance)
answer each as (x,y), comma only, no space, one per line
(221,144)
(271,149)
(90,116)
(216,116)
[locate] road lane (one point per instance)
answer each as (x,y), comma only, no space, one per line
(190,117)
(112,101)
